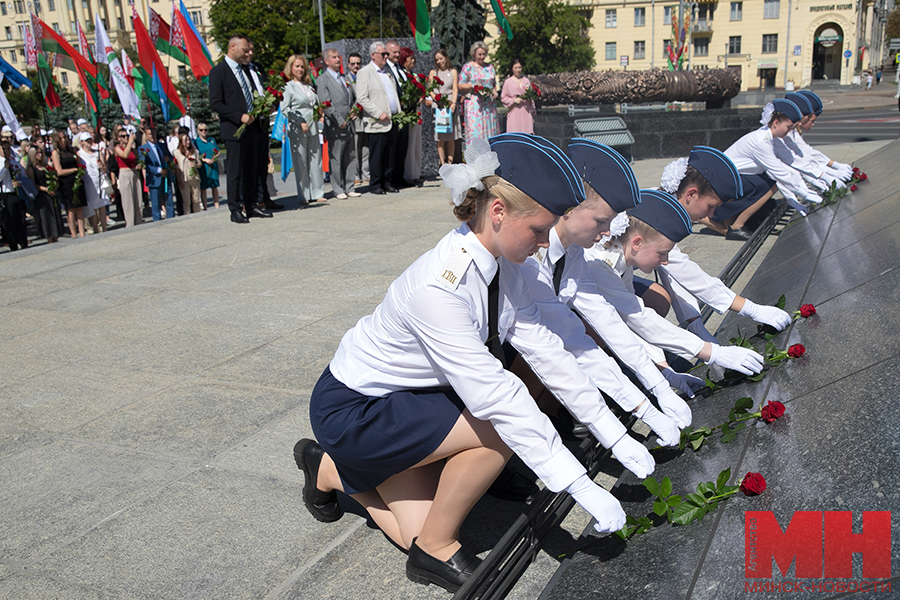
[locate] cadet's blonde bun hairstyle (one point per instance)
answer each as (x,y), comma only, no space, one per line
(635,227)
(517,202)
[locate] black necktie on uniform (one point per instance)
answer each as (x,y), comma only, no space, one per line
(557,273)
(493,343)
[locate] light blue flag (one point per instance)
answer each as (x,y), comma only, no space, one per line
(279,133)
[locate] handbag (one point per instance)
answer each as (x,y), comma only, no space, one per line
(106,185)
(443,120)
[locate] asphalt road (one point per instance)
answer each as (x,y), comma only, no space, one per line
(855,126)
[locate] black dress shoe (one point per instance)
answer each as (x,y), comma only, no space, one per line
(238,217)
(391,189)
(274,205)
(258,212)
(513,486)
(741,234)
(323,506)
(377,191)
(450,575)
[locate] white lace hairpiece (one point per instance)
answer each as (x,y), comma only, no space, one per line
(481,162)
(673,174)
(617,226)
(766,115)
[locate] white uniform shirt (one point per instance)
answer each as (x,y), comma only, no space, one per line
(685,281)
(430,330)
(6,186)
(813,154)
(578,292)
(611,275)
(754,154)
(788,152)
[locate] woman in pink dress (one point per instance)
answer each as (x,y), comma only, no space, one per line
(521,111)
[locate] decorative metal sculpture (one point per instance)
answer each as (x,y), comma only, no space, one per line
(655,85)
(675,52)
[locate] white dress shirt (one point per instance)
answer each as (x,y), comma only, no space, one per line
(686,281)
(389,88)
(754,154)
(578,292)
(430,331)
(612,277)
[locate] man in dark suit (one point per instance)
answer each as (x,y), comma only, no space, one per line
(393,64)
(261,80)
(231,96)
(159,180)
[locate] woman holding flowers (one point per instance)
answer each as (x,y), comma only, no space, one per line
(445,96)
(42,205)
(65,161)
(129,175)
(521,111)
(188,174)
(209,173)
(299,107)
(412,166)
(97,199)
(478,81)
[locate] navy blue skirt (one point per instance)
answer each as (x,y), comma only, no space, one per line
(755,187)
(373,438)
(641,285)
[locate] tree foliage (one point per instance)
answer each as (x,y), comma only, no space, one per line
(195,95)
(548,37)
(280,28)
(458,23)
(892,27)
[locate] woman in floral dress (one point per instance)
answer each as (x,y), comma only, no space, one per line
(480,109)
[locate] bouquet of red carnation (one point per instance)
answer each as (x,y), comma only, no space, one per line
(52,179)
(532,93)
(482,92)
(263,103)
(319,110)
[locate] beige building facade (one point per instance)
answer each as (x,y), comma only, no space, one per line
(61,15)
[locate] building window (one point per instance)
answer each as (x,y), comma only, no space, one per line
(610,51)
(666,44)
(120,23)
(771,9)
(3,8)
(701,46)
(737,11)
(668,11)
(182,73)
(197,17)
(734,44)
(640,50)
(22,54)
(65,78)
(56,28)
(770,43)
(640,17)
(9,33)
(12,54)
(610,18)
(105,24)
(51,5)
(37,7)
(20,7)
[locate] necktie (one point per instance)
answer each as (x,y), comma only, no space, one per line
(557,273)
(493,343)
(242,78)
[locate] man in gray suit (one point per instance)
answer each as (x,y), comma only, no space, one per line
(376,92)
(339,129)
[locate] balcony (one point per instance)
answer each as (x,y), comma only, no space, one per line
(701,27)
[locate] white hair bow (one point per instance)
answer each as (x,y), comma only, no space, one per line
(766,115)
(673,174)
(617,227)
(481,162)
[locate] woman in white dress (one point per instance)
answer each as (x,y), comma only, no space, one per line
(303,130)
(97,199)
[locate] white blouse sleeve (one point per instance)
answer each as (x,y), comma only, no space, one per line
(791,186)
(698,282)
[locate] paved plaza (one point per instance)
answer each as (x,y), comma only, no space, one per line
(153,384)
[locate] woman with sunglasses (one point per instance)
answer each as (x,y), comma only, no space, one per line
(129,178)
(209,173)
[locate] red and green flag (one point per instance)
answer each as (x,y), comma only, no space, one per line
(417,10)
(201,61)
(502,21)
(153,71)
(161,36)
(45,80)
(66,56)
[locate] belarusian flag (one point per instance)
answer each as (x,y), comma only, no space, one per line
(160,35)
(201,60)
(502,21)
(69,57)
(417,10)
(45,80)
(153,70)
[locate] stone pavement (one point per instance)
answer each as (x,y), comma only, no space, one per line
(155,380)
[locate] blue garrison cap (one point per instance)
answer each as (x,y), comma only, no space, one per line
(540,169)
(607,172)
(661,211)
(719,171)
(802,102)
(814,100)
(788,109)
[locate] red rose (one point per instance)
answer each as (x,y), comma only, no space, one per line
(796,351)
(855,169)
(853,188)
(753,484)
(863,177)
(538,92)
(271,72)
(437,97)
(807,310)
(420,122)
(439,81)
(326,104)
(771,411)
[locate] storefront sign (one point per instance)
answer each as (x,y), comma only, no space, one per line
(830,7)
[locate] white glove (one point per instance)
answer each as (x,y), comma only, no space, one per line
(601,505)
(841,166)
(770,315)
(811,196)
(840,172)
(664,427)
(683,381)
(740,359)
(672,405)
(634,457)
(829,178)
(797,206)
(699,329)
(818,183)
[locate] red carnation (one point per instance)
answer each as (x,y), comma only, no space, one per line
(753,484)
(796,351)
(853,188)
(807,310)
(771,411)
